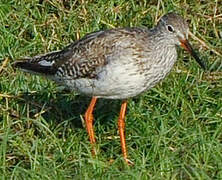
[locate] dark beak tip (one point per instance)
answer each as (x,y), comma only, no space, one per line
(186,45)
(204,67)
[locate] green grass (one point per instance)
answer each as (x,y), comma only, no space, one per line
(173,131)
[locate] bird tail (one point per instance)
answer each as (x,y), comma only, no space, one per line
(34,68)
(42,65)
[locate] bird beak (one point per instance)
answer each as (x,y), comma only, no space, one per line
(186,45)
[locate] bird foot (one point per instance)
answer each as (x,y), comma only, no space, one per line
(128,162)
(94,151)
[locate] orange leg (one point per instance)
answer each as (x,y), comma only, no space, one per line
(89,123)
(121,126)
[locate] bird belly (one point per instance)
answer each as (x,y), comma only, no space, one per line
(121,79)
(120,82)
(114,81)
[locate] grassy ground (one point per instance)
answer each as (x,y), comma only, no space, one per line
(174,131)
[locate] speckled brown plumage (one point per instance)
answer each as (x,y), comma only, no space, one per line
(115,64)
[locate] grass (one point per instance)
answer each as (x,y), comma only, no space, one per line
(173,131)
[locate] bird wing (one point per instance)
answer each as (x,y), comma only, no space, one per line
(82,58)
(48,64)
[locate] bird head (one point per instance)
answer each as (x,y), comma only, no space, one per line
(176,30)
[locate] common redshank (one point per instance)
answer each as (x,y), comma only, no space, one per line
(115,64)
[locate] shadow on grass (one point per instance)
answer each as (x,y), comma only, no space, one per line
(63,106)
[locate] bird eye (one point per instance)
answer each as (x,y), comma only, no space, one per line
(170,28)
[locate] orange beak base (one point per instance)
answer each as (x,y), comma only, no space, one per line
(186,45)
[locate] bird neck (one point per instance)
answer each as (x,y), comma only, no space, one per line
(160,40)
